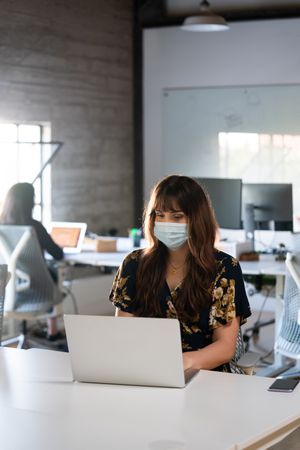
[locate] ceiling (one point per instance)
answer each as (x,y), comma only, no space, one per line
(188,6)
(172,12)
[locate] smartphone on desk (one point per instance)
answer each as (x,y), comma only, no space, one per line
(283,385)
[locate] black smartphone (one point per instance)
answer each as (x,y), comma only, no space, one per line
(283,385)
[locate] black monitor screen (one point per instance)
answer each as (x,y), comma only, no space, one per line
(272,205)
(226,198)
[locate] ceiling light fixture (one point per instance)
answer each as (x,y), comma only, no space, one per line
(207,20)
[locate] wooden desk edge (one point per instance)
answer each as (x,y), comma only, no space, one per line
(271,438)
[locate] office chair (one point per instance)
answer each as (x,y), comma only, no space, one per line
(287,342)
(253,331)
(3,279)
(31,292)
(243,361)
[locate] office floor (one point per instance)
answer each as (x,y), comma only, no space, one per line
(37,338)
(291,442)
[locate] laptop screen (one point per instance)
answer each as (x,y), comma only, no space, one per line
(68,235)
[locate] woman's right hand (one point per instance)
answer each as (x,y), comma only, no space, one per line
(120,313)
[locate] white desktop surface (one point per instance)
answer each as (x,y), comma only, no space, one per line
(267,266)
(97,259)
(263,267)
(108,259)
(215,411)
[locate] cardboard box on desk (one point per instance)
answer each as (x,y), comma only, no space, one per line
(101,244)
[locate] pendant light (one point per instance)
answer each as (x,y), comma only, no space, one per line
(206,20)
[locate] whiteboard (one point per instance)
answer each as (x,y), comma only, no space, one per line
(193,120)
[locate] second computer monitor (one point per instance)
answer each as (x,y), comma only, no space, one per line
(226,198)
(271,205)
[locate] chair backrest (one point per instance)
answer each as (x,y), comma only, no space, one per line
(31,288)
(3,277)
(239,353)
(288,339)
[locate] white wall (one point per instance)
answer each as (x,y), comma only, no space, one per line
(250,53)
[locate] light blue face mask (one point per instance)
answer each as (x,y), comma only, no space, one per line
(173,235)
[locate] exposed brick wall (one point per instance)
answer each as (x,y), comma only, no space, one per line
(69,63)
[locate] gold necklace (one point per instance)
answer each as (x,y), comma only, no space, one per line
(174,268)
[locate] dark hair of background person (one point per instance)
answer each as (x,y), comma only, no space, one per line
(17,210)
(183,193)
(18,205)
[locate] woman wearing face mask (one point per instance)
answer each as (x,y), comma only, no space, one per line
(181,275)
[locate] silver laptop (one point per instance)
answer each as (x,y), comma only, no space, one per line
(126,350)
(68,235)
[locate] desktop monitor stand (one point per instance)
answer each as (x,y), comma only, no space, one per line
(249,224)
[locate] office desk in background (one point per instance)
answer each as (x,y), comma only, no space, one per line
(104,259)
(270,266)
(97,259)
(41,408)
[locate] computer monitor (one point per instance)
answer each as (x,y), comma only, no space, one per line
(267,206)
(226,198)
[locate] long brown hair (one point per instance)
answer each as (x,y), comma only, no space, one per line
(195,293)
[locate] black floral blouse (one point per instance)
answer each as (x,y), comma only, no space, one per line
(229,299)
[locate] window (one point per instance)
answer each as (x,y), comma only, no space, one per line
(22,155)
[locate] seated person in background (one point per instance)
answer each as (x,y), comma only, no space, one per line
(17,210)
(181,275)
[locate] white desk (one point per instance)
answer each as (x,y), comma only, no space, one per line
(41,408)
(97,259)
(264,267)
(114,259)
(108,259)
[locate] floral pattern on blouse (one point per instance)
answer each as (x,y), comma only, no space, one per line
(229,299)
